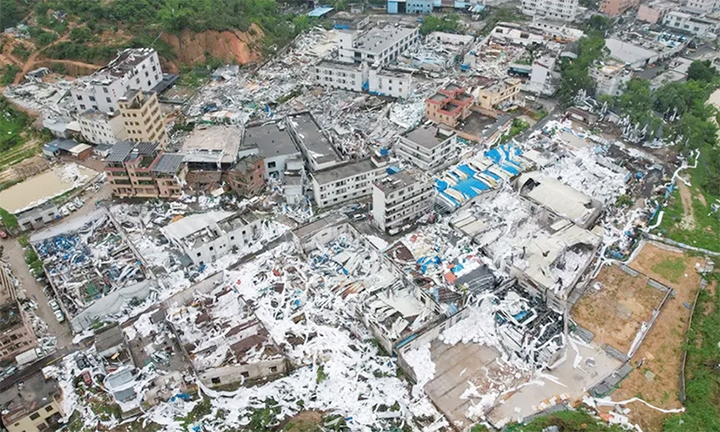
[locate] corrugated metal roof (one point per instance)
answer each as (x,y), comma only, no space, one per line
(120,151)
(169,163)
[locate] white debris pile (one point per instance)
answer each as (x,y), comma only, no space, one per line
(420,360)
(478,327)
(295,301)
(591,174)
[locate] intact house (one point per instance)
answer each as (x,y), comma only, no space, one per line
(429,147)
(141,170)
(347,182)
(449,105)
(400,199)
(132,69)
(270,141)
(207,236)
(360,77)
(100,128)
(377,46)
(34,406)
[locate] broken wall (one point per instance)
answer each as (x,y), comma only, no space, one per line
(245,373)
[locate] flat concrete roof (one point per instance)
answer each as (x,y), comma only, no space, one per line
(627,52)
(218,141)
(378,40)
(397,181)
(351,67)
(313,139)
(427,136)
(344,171)
(270,140)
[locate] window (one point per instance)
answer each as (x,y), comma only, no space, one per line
(215,380)
(272,164)
(107,99)
(92,98)
(273,369)
(79,97)
(198,253)
(34,416)
(82,106)
(211,248)
(245,374)
(105,89)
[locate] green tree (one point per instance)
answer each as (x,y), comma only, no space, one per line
(447,23)
(575,75)
(599,23)
(637,100)
(701,71)
(680,96)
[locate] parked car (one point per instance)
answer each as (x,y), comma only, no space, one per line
(53,304)
(59,316)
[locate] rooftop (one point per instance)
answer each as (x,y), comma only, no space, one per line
(338,65)
(428,136)
(122,151)
(213,144)
(378,40)
(272,139)
(627,52)
(119,66)
(312,138)
(169,163)
(558,197)
(9,316)
(18,401)
(344,171)
(108,338)
(397,181)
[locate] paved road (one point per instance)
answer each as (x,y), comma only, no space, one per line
(15,256)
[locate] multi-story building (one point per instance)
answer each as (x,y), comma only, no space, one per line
(100,128)
(247,177)
(428,147)
(385,82)
(346,182)
(400,199)
(272,142)
(560,10)
(700,27)
(34,406)
(377,46)
(542,76)
(142,118)
(610,79)
(132,69)
(617,7)
(498,94)
(702,6)
(312,141)
(409,6)
(654,12)
(141,170)
(206,236)
(16,335)
(209,152)
(449,106)
(344,76)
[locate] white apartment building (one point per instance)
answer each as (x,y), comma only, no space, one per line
(559,10)
(207,236)
(542,76)
(400,199)
(703,6)
(389,83)
(610,79)
(132,69)
(429,147)
(347,182)
(100,128)
(700,27)
(341,75)
(377,46)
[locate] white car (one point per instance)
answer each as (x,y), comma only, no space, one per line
(53,304)
(59,316)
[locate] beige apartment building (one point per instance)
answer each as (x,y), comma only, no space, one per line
(498,93)
(16,335)
(33,407)
(142,118)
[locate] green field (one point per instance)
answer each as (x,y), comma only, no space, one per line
(705,232)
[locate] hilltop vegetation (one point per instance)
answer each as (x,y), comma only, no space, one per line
(93,30)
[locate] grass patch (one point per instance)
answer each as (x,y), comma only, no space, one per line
(702,412)
(569,421)
(670,268)
(706,234)
(8,220)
